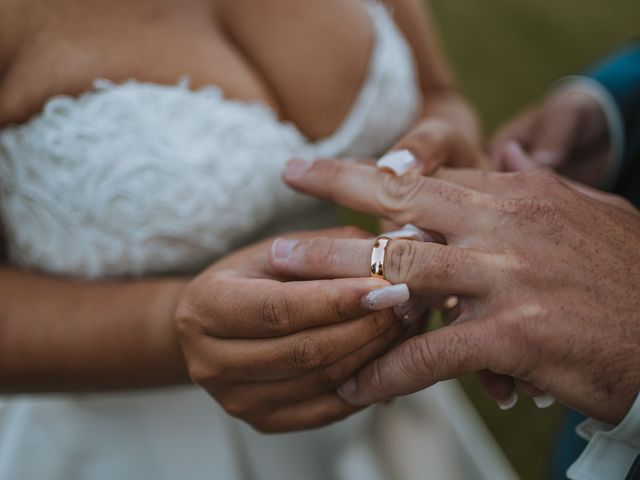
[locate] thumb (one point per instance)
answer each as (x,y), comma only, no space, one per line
(422,361)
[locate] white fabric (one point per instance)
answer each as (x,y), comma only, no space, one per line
(137,179)
(611,450)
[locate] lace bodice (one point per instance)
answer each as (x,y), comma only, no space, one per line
(139,178)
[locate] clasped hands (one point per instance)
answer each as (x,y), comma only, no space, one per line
(293,334)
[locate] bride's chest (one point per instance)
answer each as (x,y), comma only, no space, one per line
(304,58)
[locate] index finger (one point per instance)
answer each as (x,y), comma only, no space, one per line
(428,203)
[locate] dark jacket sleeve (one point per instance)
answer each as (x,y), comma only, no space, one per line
(620,75)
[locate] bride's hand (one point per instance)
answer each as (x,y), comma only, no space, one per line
(271,352)
(432,144)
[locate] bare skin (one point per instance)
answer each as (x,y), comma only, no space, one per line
(547,274)
(304,59)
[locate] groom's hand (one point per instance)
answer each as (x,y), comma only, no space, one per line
(548,279)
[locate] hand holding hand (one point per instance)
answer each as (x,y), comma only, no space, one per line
(547,278)
(272,352)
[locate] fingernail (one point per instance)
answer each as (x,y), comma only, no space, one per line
(545,157)
(295,168)
(386,297)
(544,401)
(410,232)
(508,403)
(282,248)
(398,162)
(347,389)
(451,302)
(410,312)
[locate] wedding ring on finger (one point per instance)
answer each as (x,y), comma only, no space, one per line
(378,256)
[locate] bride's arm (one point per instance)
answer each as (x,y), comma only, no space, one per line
(442,100)
(61,335)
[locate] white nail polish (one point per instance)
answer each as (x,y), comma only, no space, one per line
(386,297)
(509,402)
(410,232)
(544,401)
(398,162)
(411,311)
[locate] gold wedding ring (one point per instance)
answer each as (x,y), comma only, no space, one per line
(377,256)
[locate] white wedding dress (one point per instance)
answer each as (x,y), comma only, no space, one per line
(137,179)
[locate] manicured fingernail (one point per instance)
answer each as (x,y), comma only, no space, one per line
(347,389)
(411,311)
(410,232)
(386,297)
(545,157)
(451,302)
(544,401)
(295,168)
(509,402)
(398,162)
(282,248)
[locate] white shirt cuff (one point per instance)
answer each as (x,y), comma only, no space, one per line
(611,450)
(613,117)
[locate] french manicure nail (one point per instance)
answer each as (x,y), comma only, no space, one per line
(282,248)
(508,403)
(398,162)
(295,168)
(347,389)
(544,401)
(386,297)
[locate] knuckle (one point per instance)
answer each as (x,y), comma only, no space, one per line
(376,379)
(399,193)
(306,354)
(527,209)
(418,358)
(206,372)
(403,258)
(321,251)
(521,332)
(276,313)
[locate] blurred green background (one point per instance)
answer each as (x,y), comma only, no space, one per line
(505,54)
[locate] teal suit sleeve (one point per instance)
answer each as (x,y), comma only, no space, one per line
(620,75)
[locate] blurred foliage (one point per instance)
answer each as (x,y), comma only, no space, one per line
(505,55)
